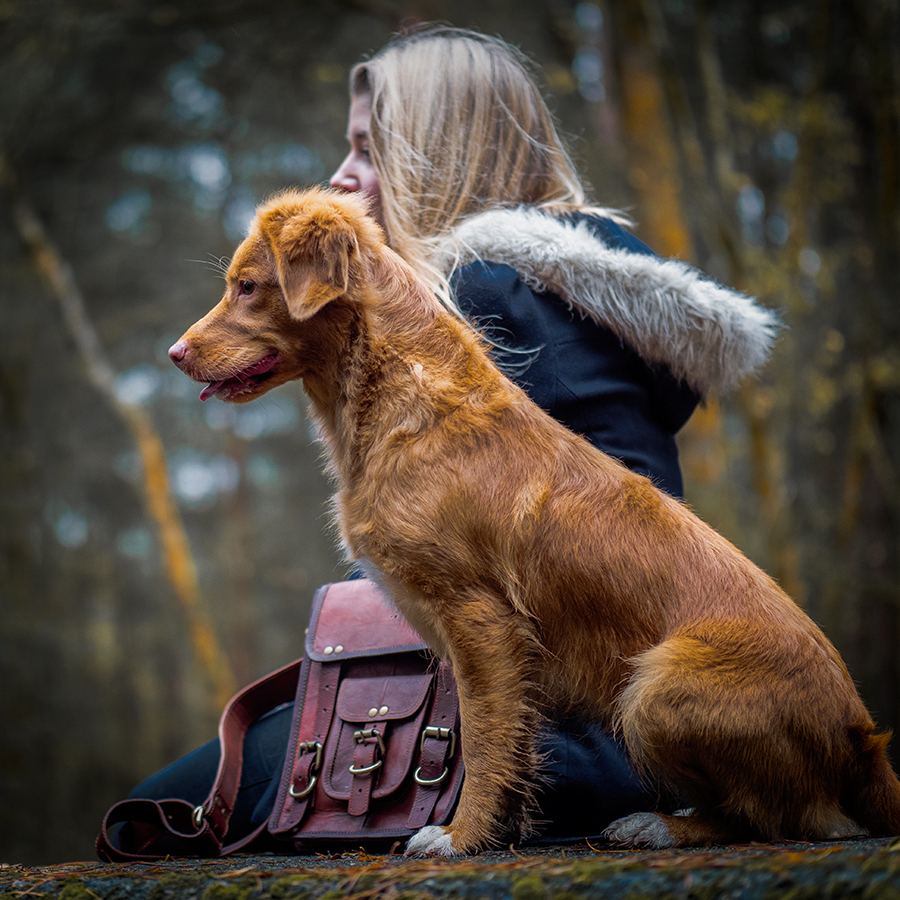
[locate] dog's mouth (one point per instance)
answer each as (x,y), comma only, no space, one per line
(244,382)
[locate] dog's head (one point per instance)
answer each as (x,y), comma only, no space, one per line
(302,253)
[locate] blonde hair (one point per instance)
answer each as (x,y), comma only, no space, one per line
(458,126)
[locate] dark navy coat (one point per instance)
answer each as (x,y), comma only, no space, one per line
(579,372)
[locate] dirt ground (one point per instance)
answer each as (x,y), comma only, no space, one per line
(868,869)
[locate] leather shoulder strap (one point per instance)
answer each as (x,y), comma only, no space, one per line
(198,831)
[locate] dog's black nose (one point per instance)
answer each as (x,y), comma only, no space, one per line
(178,351)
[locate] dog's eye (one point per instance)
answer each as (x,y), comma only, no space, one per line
(247,288)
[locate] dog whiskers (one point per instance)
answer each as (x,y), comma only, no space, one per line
(219,264)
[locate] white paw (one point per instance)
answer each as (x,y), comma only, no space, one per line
(645,830)
(431,840)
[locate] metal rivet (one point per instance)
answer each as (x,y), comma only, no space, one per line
(373,712)
(328,651)
(383,711)
(339,649)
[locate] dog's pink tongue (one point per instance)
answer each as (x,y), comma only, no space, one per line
(210,390)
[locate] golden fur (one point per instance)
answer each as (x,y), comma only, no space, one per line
(549,574)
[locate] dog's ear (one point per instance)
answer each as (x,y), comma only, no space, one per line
(313,250)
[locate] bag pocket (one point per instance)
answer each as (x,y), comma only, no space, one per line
(375,735)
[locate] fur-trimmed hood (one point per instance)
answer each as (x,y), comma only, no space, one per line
(708,335)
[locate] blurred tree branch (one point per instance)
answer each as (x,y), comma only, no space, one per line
(179,563)
(714,182)
(821,437)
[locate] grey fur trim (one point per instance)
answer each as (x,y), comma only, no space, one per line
(708,335)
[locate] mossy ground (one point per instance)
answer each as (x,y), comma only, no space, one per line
(868,870)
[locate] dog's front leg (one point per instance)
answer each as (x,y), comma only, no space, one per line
(491,650)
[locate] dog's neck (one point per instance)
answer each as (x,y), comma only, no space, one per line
(393,363)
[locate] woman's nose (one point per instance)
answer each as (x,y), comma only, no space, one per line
(344,179)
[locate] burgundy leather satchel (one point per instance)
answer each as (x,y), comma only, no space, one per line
(373,752)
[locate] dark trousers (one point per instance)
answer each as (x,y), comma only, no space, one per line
(586,782)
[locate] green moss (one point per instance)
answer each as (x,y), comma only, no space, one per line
(228,891)
(882,889)
(75,891)
(801,892)
(530,887)
(281,888)
(174,884)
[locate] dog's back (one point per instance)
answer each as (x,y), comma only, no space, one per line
(640,615)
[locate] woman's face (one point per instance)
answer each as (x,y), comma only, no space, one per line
(356,173)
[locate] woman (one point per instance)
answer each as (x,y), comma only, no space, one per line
(453,145)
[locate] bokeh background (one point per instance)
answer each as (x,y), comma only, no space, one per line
(156,552)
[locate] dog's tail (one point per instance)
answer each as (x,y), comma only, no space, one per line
(871,794)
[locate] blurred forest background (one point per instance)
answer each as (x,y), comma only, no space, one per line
(158,552)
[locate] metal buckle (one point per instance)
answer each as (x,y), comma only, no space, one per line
(360,737)
(197,817)
(308,747)
(429,782)
(442,734)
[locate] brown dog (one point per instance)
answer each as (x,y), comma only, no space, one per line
(550,575)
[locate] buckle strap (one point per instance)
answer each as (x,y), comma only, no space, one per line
(436,748)
(369,753)
(144,821)
(431,758)
(368,758)
(308,759)
(312,767)
(316,694)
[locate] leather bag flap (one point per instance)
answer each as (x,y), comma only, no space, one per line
(397,697)
(354,618)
